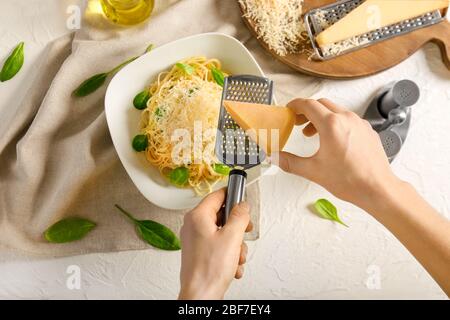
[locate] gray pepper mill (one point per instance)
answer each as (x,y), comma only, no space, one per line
(389,113)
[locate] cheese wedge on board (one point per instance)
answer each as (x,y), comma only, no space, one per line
(375,14)
(254,117)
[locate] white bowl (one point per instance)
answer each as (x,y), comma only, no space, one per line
(123,118)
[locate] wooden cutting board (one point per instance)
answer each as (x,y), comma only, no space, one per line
(367,61)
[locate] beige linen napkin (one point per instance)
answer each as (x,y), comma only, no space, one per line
(56,155)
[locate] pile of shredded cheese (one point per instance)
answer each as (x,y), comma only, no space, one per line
(344,45)
(278,23)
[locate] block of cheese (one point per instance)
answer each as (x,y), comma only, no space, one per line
(277,122)
(374,14)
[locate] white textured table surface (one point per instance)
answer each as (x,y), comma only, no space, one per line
(298,255)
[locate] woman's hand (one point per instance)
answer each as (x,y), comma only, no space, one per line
(212,257)
(350,163)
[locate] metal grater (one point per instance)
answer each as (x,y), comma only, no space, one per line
(233,147)
(319,19)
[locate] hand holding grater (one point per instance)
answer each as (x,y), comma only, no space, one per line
(233,147)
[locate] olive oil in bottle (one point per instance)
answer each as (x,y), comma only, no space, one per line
(127,12)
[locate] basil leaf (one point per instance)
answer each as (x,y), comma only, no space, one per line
(221,169)
(13,64)
(140,142)
(179,176)
(158,235)
(327,211)
(149,48)
(141,99)
(218,76)
(90,85)
(68,230)
(120,66)
(154,233)
(93,83)
(185,67)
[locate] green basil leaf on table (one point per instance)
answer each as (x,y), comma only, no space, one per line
(327,211)
(68,230)
(185,67)
(141,99)
(179,176)
(140,142)
(154,233)
(13,63)
(93,83)
(218,76)
(90,85)
(149,48)
(221,169)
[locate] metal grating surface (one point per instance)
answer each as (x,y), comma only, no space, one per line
(233,146)
(319,19)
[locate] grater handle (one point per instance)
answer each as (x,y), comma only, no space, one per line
(235,192)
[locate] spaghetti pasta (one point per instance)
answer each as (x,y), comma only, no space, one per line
(187,98)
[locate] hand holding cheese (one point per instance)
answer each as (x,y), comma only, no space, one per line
(351,158)
(352,165)
(262,123)
(375,14)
